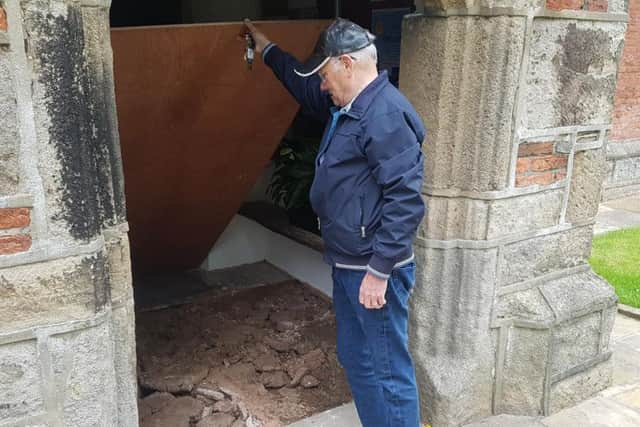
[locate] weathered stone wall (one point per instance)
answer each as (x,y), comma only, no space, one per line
(67,345)
(517,97)
(623,150)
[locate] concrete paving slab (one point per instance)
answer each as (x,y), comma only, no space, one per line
(626,358)
(626,365)
(631,204)
(595,412)
(613,219)
(632,341)
(614,391)
(617,214)
(342,416)
(624,326)
(508,421)
(630,398)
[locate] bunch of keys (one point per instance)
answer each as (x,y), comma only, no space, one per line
(249,50)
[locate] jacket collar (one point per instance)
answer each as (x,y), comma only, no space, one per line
(361,102)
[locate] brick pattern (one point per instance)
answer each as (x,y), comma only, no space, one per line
(590,5)
(3,19)
(14,218)
(565,4)
(14,244)
(598,5)
(626,113)
(538,163)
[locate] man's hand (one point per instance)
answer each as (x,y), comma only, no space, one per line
(261,40)
(372,290)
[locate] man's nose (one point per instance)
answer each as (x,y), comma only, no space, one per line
(323,85)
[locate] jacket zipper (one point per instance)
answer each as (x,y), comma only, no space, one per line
(363,232)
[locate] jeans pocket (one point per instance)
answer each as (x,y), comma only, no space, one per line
(403,279)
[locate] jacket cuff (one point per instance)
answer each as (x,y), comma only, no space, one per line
(267,49)
(380,267)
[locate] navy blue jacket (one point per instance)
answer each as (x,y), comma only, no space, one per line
(366,189)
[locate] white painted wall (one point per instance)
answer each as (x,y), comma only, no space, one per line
(245,241)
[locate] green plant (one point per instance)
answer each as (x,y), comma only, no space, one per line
(294,169)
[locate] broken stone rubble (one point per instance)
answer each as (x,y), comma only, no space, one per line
(162,408)
(259,374)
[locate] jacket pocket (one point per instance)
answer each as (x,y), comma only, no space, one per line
(344,239)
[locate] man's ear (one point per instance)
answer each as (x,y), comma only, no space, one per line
(347,61)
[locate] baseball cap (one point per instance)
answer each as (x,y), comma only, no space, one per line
(340,37)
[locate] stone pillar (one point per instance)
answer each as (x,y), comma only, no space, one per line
(67,344)
(507,315)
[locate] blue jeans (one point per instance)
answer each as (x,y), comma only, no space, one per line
(372,346)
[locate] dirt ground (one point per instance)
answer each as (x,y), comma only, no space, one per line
(263,356)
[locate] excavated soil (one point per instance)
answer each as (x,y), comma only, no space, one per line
(263,356)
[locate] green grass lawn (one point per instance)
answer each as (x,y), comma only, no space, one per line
(616,257)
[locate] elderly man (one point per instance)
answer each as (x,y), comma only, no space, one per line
(366,193)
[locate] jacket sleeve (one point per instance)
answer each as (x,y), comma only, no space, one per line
(395,157)
(306,90)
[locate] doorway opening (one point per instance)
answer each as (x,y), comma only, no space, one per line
(233,315)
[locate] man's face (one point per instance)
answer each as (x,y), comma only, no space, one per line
(336,79)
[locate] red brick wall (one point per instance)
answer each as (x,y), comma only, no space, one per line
(3,20)
(590,5)
(14,244)
(14,219)
(565,4)
(538,163)
(598,5)
(626,113)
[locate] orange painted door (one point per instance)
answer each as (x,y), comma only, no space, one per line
(196,129)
